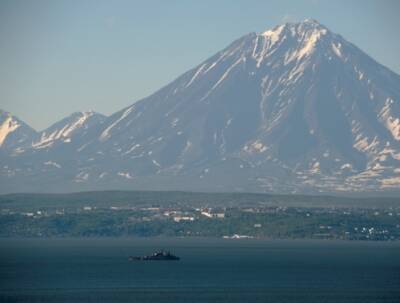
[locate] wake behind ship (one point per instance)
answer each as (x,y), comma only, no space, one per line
(157,256)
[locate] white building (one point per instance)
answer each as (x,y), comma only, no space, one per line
(209,214)
(183,218)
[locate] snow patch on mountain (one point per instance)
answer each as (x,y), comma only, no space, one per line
(273,35)
(51,163)
(336,49)
(392,123)
(106,133)
(8,126)
(65,129)
(82,176)
(126,175)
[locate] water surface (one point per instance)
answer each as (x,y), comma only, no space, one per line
(210,270)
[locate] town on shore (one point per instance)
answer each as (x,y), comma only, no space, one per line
(198,215)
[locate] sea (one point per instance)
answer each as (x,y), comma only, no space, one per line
(210,270)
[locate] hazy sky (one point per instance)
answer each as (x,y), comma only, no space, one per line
(57,57)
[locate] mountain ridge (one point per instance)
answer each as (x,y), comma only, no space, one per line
(293,109)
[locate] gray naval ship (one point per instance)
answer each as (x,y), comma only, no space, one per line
(160,255)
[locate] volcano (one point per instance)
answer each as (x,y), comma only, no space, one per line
(294,109)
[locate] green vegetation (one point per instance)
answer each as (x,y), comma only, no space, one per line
(160,198)
(144,214)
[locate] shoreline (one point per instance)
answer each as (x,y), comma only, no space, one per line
(200,240)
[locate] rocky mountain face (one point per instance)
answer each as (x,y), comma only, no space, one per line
(295,109)
(74,127)
(14,134)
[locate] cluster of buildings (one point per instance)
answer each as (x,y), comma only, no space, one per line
(194,214)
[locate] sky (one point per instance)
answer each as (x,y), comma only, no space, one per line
(58,57)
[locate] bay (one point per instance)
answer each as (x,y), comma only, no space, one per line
(210,270)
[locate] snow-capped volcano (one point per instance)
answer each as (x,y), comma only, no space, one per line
(293,109)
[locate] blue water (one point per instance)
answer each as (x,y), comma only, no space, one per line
(211,270)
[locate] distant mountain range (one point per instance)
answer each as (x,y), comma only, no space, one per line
(295,109)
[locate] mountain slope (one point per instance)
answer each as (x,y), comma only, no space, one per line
(48,158)
(293,109)
(14,134)
(71,128)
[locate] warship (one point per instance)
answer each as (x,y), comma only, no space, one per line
(157,256)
